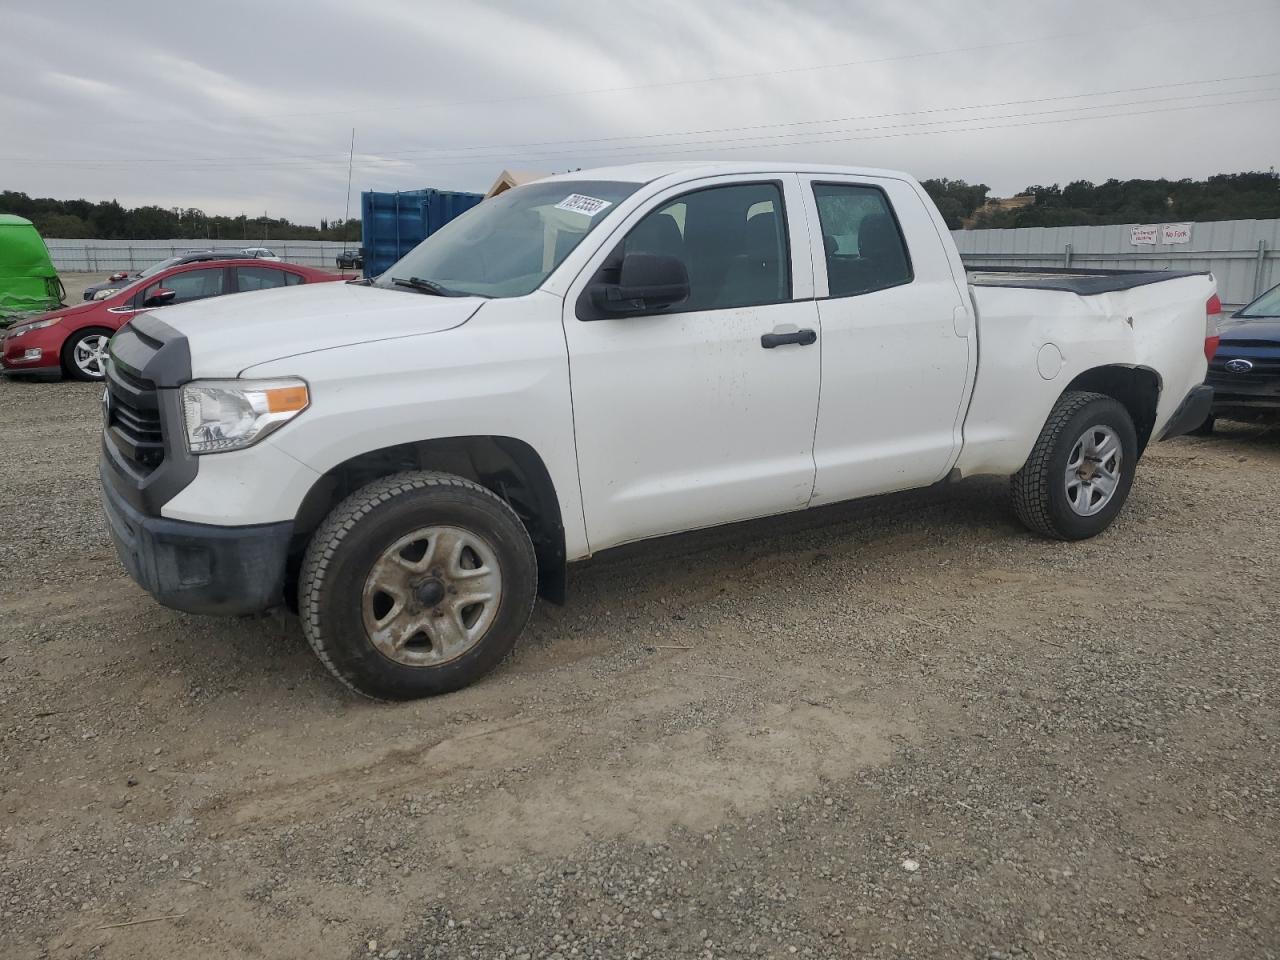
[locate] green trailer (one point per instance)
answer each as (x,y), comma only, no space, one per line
(28,282)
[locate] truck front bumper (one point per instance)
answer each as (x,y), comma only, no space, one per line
(1192,412)
(198,567)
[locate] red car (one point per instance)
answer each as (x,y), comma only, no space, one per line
(72,341)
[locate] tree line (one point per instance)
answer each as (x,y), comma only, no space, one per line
(108,220)
(1225,196)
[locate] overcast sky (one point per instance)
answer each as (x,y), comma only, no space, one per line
(248,107)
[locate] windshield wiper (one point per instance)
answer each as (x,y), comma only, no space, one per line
(426,286)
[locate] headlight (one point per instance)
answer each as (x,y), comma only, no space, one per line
(109,292)
(226,415)
(28,327)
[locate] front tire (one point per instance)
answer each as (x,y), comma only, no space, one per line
(415,585)
(1080,470)
(84,355)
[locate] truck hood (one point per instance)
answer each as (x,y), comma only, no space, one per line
(228,334)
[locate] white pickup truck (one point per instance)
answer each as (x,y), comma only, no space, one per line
(605,356)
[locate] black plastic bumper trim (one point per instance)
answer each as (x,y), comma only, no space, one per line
(198,567)
(1192,412)
(32,373)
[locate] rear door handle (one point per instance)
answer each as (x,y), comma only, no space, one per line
(799,337)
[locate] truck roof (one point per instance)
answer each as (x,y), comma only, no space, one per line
(656,170)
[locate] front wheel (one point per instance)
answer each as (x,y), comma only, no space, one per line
(84,355)
(415,585)
(1080,470)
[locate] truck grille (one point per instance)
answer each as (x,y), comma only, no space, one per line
(133,419)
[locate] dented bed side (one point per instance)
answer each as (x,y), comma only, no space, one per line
(1034,341)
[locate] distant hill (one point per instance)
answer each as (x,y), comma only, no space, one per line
(1226,196)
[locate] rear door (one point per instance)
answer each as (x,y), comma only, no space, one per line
(691,417)
(897,355)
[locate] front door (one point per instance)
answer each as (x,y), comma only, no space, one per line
(704,413)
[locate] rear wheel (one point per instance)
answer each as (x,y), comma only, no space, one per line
(1080,470)
(84,355)
(415,585)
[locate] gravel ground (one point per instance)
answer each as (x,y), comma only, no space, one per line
(900,727)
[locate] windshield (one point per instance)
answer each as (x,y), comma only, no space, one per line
(507,245)
(1267,305)
(157,267)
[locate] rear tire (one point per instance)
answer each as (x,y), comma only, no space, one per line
(84,355)
(415,585)
(1080,470)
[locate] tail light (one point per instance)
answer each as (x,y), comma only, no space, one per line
(1212,311)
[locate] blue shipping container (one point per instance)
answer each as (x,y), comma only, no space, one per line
(395,223)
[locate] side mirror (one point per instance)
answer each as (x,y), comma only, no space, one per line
(647,283)
(119,275)
(160,297)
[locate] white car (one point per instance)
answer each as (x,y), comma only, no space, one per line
(605,356)
(259,253)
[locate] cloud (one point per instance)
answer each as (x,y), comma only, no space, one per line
(98,91)
(252,108)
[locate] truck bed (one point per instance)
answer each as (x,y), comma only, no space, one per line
(1068,280)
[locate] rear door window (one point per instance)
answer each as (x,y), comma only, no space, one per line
(864,247)
(260,278)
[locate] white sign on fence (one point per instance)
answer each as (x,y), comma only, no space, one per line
(1175,233)
(1144,234)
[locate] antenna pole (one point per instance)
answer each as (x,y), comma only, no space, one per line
(350,162)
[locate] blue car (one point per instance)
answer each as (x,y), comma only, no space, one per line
(1245,370)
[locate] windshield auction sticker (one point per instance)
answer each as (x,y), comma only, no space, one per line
(578,203)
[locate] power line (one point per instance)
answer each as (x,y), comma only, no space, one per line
(444,154)
(956,125)
(784,137)
(875,116)
(1107,29)
(921,133)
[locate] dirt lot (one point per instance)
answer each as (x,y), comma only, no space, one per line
(903,727)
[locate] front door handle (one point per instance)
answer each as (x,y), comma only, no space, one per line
(799,337)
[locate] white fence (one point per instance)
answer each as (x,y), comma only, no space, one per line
(106,256)
(1241,253)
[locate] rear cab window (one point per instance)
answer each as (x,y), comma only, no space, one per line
(862,241)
